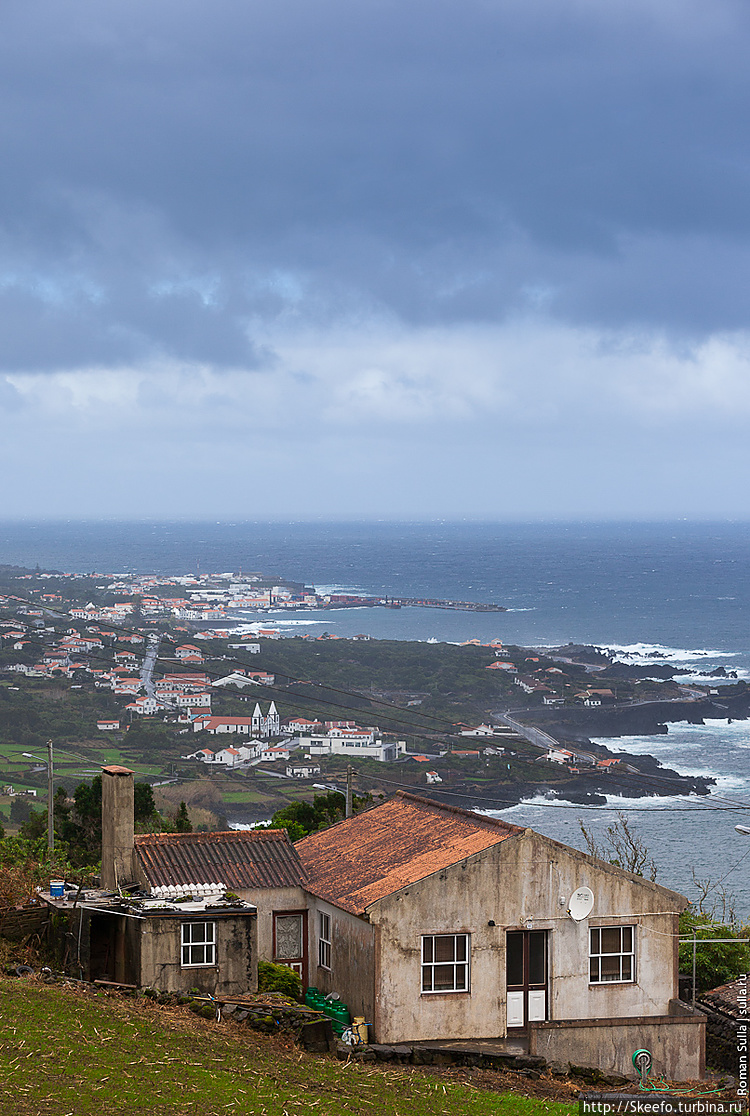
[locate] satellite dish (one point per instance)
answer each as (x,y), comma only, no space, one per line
(581,904)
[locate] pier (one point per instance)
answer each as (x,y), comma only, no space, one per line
(341,600)
(428,602)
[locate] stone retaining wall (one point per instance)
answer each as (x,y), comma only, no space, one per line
(721,1034)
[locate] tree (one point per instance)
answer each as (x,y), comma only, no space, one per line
(302,818)
(621,846)
(79,824)
(714,964)
(182,821)
(144,807)
(20,809)
(83,829)
(35,826)
(712,915)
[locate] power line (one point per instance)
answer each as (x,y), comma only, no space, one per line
(508,804)
(298,681)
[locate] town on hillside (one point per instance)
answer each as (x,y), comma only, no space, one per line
(236,722)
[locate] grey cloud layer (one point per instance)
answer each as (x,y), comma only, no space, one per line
(176,173)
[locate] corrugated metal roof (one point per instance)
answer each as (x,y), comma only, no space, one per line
(237,858)
(365,858)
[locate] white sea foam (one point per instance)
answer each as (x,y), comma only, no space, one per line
(680,736)
(349,590)
(276,622)
(690,749)
(542,804)
(637,652)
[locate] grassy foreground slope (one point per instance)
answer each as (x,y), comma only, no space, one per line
(70,1053)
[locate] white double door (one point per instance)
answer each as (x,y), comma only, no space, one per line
(525,977)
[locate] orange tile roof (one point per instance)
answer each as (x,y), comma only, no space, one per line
(365,858)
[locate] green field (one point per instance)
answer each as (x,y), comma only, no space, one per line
(66,1052)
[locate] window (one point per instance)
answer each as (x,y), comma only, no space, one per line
(289,934)
(198,943)
(611,954)
(445,963)
(324,940)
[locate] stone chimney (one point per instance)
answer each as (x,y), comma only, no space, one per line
(117,827)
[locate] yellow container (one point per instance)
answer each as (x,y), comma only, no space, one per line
(360,1027)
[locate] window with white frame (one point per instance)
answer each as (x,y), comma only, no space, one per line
(445,962)
(198,944)
(611,954)
(324,940)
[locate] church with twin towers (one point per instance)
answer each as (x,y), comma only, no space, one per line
(268,725)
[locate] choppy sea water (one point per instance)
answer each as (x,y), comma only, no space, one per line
(677,592)
(685,835)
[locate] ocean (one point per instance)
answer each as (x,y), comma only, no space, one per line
(677,590)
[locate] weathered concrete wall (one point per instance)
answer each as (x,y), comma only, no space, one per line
(117,826)
(269,900)
(462,898)
(542,875)
(677,1044)
(236,968)
(352,972)
(525,881)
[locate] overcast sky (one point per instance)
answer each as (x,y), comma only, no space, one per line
(408,258)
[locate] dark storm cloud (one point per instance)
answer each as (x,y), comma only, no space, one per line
(175,172)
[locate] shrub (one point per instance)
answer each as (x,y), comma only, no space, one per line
(279,978)
(715,964)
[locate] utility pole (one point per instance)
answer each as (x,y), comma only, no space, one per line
(348,790)
(50,799)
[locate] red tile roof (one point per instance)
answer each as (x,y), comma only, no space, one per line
(237,858)
(365,858)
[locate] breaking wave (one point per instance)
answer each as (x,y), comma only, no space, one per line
(657,652)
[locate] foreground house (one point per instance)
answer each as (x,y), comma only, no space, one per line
(432,922)
(437,923)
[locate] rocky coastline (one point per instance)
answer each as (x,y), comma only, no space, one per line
(576,724)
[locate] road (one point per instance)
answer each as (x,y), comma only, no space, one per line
(149,662)
(539,738)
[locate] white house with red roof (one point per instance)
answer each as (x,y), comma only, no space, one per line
(231,756)
(301,724)
(144,705)
(194,681)
(275,752)
(214,725)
